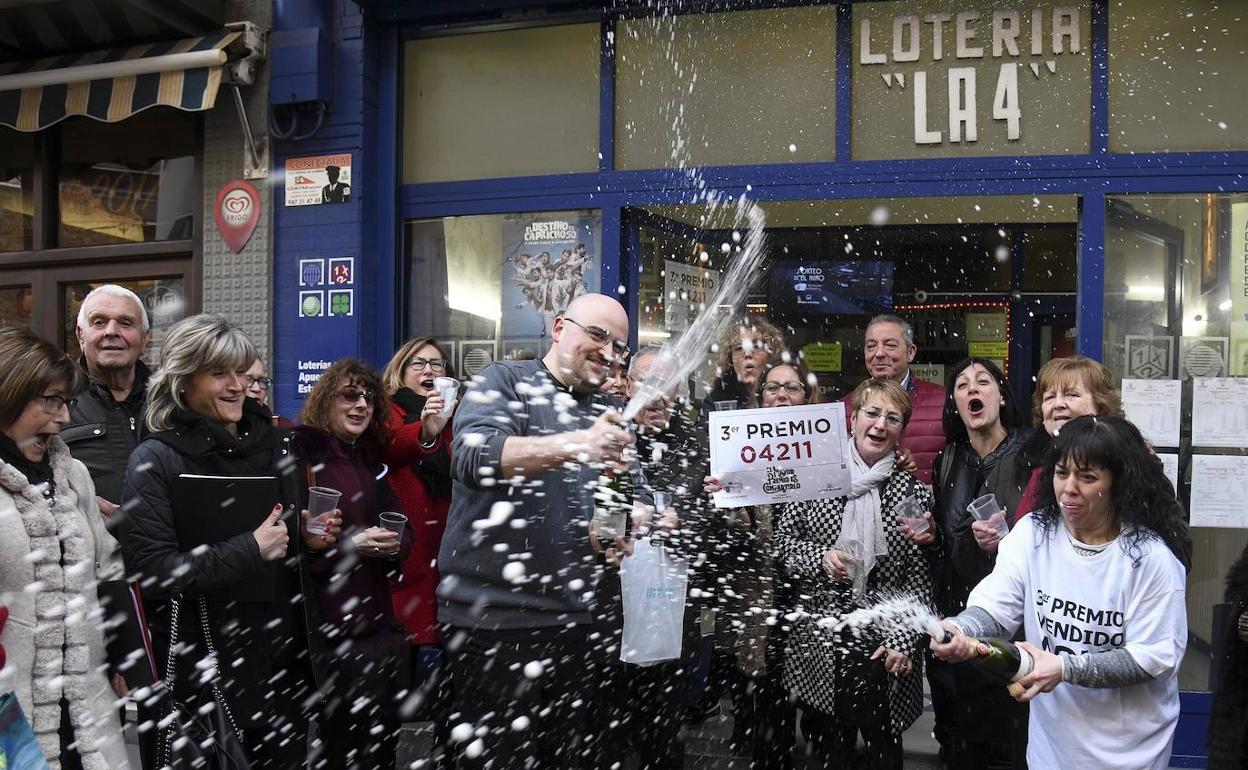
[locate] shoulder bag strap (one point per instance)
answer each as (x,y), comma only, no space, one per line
(216,660)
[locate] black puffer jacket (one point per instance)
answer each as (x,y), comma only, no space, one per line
(102,431)
(260,636)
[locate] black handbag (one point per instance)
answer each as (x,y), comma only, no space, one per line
(198,731)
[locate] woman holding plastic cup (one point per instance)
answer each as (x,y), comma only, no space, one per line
(339,447)
(1092,580)
(844,553)
(977,482)
(420,474)
(252,584)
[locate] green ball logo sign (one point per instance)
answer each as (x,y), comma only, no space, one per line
(311,306)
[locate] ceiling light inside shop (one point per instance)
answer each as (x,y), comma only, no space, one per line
(651,334)
(1224,305)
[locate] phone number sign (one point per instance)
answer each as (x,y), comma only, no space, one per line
(779,455)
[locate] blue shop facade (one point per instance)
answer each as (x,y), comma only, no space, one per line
(1022,181)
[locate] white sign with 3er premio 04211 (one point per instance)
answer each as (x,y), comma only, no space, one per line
(779,455)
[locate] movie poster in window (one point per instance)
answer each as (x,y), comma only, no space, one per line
(548,261)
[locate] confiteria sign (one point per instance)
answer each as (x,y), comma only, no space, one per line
(971,75)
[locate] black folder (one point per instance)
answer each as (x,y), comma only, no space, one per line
(126,636)
(210,509)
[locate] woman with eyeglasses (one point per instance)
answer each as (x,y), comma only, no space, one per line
(340,445)
(982,424)
(251,586)
(754,598)
(844,554)
(53,551)
(419,456)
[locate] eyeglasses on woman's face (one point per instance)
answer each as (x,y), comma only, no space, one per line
(263,383)
(435,364)
(793,388)
(352,396)
(892,419)
(53,403)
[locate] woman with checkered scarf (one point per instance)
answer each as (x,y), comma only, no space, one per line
(844,553)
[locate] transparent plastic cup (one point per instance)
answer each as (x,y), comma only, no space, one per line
(321,503)
(662,501)
(448,388)
(911,512)
(987,509)
(393,521)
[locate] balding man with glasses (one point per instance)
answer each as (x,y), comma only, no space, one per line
(518,569)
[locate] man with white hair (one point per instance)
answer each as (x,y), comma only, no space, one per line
(107,421)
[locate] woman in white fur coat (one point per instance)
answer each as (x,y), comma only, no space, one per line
(53,550)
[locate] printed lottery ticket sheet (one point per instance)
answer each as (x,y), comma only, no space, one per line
(780,454)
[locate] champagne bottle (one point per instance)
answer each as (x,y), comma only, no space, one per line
(1000,659)
(613,503)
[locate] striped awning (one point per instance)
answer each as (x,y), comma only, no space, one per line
(113,84)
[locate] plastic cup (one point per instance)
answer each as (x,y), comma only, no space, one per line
(393,521)
(725,406)
(911,511)
(662,501)
(986,509)
(321,503)
(448,388)
(854,548)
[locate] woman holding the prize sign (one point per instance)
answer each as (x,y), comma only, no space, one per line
(764,720)
(844,554)
(1093,579)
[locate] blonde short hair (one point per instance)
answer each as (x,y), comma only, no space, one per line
(201,343)
(891,391)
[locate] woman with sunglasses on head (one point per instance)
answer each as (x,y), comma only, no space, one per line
(340,446)
(250,586)
(1092,580)
(981,422)
(844,553)
(419,456)
(53,551)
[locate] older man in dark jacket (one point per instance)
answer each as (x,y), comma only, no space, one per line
(106,423)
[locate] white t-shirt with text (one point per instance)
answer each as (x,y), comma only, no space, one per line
(1066,602)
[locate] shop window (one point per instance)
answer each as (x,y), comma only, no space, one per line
(947,265)
(501,104)
(938,79)
(725,89)
(128,182)
(1174,76)
(489,286)
(17,157)
(1174,313)
(164,299)
(16,306)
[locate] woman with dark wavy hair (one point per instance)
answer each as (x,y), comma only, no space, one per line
(1093,579)
(340,446)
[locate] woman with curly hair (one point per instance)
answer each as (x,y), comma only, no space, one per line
(1093,579)
(340,446)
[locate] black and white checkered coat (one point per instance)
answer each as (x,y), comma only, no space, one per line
(805,531)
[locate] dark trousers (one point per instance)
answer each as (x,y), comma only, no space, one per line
(526,699)
(358,716)
(837,745)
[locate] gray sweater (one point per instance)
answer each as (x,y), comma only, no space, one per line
(516,553)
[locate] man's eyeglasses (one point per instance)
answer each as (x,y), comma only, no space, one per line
(353,396)
(893,419)
(436,364)
(264,382)
(53,403)
(794,388)
(601,337)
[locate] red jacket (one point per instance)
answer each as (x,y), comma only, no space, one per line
(414,593)
(925,435)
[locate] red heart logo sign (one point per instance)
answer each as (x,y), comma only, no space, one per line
(237,212)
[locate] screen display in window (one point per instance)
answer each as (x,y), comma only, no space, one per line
(833,288)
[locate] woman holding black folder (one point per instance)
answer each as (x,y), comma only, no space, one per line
(340,445)
(210,496)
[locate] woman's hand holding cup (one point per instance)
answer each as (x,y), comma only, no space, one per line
(329,534)
(376,543)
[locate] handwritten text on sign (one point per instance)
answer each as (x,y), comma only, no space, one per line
(779,455)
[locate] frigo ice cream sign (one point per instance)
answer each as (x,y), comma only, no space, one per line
(969,78)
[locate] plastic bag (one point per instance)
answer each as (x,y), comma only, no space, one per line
(653,584)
